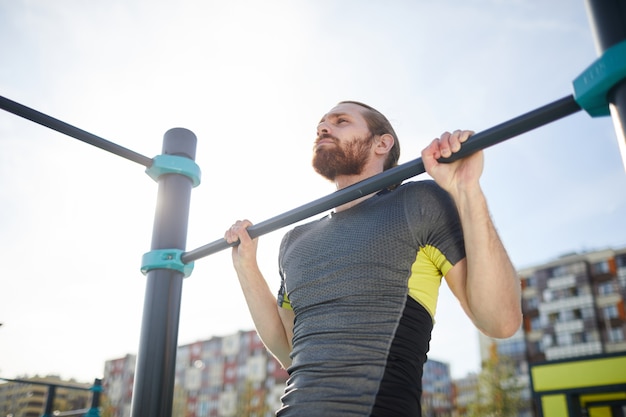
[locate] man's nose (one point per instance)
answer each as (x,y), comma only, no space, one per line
(322,128)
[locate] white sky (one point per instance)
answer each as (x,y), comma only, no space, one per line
(251,79)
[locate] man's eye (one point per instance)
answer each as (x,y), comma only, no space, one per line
(339,121)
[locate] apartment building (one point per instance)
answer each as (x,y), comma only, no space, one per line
(574,306)
(229,376)
(225,376)
(464,394)
(437,392)
(119,377)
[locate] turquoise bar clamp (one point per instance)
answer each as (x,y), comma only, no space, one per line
(174,164)
(170,258)
(591,88)
(165,259)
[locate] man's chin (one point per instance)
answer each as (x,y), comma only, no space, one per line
(330,176)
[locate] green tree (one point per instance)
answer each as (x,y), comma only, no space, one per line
(499,391)
(106,408)
(252,402)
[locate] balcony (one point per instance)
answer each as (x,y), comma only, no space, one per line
(569,326)
(529,292)
(565,281)
(569,303)
(579,349)
(608,299)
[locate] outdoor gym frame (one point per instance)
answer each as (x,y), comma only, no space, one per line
(600,90)
(92,411)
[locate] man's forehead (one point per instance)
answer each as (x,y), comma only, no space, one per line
(341,109)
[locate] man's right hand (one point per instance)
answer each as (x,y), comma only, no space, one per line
(244,254)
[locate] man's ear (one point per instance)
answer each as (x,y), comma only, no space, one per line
(384,144)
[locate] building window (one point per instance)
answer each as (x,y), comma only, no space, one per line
(547,295)
(536,347)
(535,323)
(584,289)
(553,318)
(601,267)
(610,312)
(566,315)
(616,334)
(588,313)
(605,288)
(508,348)
(593,336)
(559,271)
(578,338)
(564,339)
(532,303)
(547,341)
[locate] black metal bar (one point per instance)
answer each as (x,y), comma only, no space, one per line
(50,401)
(97,391)
(608,22)
(156,359)
(521,124)
(94,410)
(27,381)
(62,127)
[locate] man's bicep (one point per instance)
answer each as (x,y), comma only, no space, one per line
(456,278)
(287,318)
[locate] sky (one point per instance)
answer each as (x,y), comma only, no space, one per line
(251,80)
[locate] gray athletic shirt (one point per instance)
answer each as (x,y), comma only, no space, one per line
(352,278)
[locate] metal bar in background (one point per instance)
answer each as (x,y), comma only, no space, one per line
(47,384)
(62,127)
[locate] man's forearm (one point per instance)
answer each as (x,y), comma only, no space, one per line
(492,285)
(264,311)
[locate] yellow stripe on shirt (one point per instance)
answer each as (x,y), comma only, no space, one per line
(426,272)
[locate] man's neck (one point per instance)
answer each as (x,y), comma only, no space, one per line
(344,181)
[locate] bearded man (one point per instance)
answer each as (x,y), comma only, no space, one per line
(353,317)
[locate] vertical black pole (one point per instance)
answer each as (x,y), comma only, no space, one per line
(608,21)
(156,359)
(50,401)
(96,389)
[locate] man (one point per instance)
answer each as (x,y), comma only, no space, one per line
(359,286)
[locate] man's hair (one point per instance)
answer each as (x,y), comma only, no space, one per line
(379,125)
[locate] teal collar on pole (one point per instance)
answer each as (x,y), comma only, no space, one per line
(591,88)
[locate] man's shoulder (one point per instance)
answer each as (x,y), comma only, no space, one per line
(424,193)
(421,187)
(427,184)
(302,228)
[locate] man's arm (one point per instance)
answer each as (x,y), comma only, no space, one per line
(273,324)
(485,282)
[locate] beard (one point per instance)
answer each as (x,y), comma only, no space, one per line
(349,159)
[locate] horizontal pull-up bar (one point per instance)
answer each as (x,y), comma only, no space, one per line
(47,384)
(521,124)
(62,127)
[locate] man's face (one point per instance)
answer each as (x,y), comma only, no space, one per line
(343,142)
